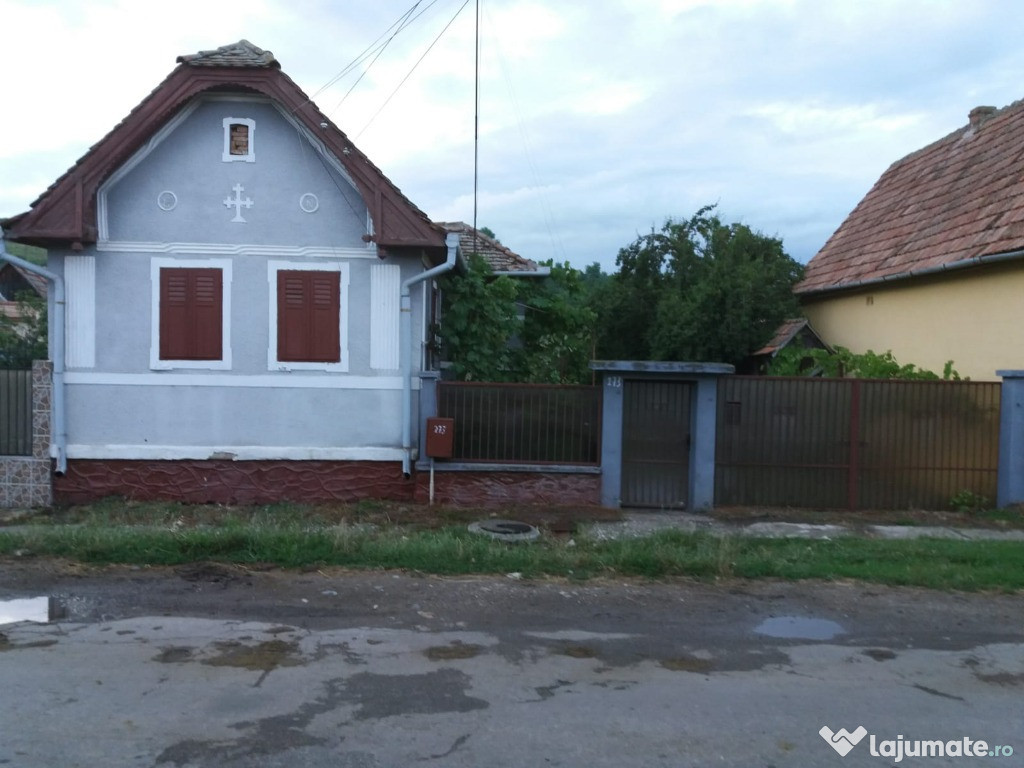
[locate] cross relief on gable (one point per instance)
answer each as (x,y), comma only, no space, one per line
(238,203)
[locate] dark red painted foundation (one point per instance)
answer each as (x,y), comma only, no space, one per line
(494,489)
(232,482)
(265,482)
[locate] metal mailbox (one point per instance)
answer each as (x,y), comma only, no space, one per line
(440,438)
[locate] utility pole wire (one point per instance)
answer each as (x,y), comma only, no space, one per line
(476,123)
(414,66)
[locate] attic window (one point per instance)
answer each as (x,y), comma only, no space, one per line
(239,140)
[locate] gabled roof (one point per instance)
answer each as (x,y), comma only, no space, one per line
(500,259)
(788,331)
(66,212)
(955,203)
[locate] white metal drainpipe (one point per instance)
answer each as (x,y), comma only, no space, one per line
(60,432)
(405,345)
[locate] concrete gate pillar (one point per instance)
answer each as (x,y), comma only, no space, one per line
(703,414)
(1010,485)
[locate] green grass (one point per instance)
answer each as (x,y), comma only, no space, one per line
(264,537)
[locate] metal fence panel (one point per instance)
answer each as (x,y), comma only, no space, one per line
(656,444)
(855,444)
(15,413)
(523,423)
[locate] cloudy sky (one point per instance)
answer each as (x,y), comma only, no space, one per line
(599,118)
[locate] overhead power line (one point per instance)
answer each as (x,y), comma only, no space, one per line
(414,66)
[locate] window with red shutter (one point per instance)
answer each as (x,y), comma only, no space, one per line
(308,311)
(191,314)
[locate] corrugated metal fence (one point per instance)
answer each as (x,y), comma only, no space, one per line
(523,423)
(854,443)
(15,413)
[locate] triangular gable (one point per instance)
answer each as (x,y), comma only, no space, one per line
(66,211)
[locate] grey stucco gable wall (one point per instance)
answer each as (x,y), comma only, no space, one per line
(186,161)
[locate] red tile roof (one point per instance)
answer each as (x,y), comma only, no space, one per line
(66,211)
(783,335)
(945,206)
(240,54)
(500,258)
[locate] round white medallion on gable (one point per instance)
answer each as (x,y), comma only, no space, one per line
(309,203)
(167,200)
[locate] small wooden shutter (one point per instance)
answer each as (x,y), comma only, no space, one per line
(191,307)
(308,312)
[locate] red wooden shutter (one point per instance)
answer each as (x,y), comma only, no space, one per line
(207,314)
(308,311)
(191,312)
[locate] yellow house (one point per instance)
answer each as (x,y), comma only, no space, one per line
(930,264)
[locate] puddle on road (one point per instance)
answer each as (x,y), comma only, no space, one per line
(38,609)
(799,628)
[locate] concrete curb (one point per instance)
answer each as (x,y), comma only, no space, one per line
(638,524)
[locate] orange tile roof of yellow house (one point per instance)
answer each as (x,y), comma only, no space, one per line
(955,203)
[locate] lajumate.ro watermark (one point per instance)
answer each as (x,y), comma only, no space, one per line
(843,742)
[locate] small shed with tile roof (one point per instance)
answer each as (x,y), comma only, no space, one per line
(501,260)
(930,264)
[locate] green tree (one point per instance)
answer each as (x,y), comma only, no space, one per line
(696,290)
(484,338)
(478,319)
(23,339)
(557,331)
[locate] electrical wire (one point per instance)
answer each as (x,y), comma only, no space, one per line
(414,66)
(369,49)
(555,238)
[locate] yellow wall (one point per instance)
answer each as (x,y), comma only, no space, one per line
(974,317)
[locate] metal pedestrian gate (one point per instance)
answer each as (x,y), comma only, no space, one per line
(656,444)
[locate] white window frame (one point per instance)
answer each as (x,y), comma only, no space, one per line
(224,265)
(273,364)
(227,157)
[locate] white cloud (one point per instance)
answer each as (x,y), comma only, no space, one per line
(597,120)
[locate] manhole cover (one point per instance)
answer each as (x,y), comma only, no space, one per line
(505,530)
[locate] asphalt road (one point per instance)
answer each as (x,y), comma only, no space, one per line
(213,666)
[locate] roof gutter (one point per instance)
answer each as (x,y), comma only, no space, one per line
(405,344)
(60,432)
(973,261)
(538,272)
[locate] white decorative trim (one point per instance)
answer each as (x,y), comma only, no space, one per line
(223,249)
(80,311)
(273,364)
(169,127)
(309,203)
(232,452)
(332,161)
(238,203)
(257,381)
(167,200)
(385,303)
(155,363)
(249,157)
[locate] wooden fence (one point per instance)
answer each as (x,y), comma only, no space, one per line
(15,413)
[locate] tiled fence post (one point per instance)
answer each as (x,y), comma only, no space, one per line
(1010,487)
(25,481)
